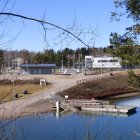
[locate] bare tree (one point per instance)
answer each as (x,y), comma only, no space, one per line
(73,33)
(68,35)
(65,33)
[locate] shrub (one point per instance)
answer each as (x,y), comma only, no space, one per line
(20,82)
(133,79)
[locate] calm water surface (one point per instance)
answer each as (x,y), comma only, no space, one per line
(80,125)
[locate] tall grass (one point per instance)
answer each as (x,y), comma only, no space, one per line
(7,88)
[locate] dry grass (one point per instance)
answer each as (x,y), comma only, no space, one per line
(6,89)
(99,89)
(125,72)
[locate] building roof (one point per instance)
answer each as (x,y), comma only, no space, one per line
(37,65)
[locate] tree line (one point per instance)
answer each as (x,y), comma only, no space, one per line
(70,57)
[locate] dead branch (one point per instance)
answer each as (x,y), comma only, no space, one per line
(42,22)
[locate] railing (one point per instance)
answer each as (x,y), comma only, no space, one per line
(92,79)
(63,103)
(88,103)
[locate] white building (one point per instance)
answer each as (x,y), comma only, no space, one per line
(102,62)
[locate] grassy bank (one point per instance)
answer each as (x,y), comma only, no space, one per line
(7,88)
(100,89)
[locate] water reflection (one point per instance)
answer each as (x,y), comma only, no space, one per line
(107,114)
(131,101)
(80,125)
(92,113)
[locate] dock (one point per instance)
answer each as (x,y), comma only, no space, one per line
(93,105)
(101,106)
(111,109)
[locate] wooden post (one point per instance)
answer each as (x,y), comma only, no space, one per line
(57,106)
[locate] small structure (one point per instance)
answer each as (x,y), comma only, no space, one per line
(38,68)
(66,96)
(57,106)
(43,82)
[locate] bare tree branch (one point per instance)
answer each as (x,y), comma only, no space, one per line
(42,22)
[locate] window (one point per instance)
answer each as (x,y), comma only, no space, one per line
(113,60)
(102,61)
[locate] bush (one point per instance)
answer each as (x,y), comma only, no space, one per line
(133,79)
(20,82)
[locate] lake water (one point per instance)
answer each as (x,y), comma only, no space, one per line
(80,125)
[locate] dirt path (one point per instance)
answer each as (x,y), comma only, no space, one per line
(58,83)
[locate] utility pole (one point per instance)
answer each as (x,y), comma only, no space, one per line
(13,88)
(73,60)
(79,61)
(68,64)
(5,60)
(62,71)
(15,63)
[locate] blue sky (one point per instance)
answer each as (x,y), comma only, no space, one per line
(88,13)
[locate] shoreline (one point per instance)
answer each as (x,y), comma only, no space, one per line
(41,108)
(27,111)
(29,106)
(126,95)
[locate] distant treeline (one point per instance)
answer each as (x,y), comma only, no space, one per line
(69,56)
(129,54)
